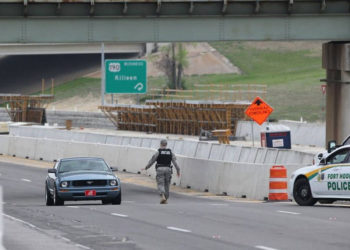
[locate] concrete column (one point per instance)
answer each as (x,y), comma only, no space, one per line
(336,60)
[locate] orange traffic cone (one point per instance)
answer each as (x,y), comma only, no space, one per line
(278,184)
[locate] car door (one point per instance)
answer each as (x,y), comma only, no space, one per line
(332,175)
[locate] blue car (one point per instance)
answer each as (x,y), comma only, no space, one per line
(74,179)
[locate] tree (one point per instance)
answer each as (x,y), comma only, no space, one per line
(173,61)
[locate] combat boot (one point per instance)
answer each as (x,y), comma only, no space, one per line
(162,199)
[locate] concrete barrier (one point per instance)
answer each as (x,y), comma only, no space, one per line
(217,152)
(22,147)
(135,142)
(155,143)
(178,146)
(271,156)
(1,221)
(126,141)
(115,140)
(232,153)
(203,150)
(189,148)
(260,155)
(4,142)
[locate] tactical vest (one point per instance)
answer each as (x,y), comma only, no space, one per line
(164,157)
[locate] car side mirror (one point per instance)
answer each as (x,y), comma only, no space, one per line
(323,161)
(114,169)
(331,146)
(320,156)
(52,171)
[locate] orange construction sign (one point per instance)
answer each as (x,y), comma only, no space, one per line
(259,110)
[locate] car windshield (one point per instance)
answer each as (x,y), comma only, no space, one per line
(83,165)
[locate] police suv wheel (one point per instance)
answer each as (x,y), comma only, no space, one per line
(302,193)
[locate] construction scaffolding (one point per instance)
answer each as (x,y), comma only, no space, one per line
(177,116)
(26,108)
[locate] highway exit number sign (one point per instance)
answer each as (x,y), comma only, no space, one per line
(126,76)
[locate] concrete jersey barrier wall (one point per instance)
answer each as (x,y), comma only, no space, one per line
(189,148)
(1,221)
(236,179)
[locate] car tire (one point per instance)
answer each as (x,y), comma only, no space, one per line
(57,201)
(48,197)
(106,202)
(327,201)
(302,193)
(117,200)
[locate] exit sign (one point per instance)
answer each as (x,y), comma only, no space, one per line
(126,76)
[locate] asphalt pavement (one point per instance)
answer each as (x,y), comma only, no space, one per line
(187,222)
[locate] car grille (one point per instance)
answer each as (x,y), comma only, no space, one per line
(89,183)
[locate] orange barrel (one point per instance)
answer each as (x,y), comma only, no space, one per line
(278,184)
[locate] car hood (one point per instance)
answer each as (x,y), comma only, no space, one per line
(86,175)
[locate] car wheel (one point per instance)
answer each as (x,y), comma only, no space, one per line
(117,200)
(302,193)
(329,201)
(48,197)
(105,202)
(57,200)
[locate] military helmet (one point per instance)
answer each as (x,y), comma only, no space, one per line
(163,142)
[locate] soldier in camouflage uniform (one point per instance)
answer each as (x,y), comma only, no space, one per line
(164,157)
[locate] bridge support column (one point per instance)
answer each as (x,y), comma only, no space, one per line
(336,60)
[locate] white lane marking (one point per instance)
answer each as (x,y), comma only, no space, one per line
(73,206)
(26,180)
(120,215)
(265,248)
(84,247)
(218,204)
(179,229)
(41,230)
(129,201)
(287,212)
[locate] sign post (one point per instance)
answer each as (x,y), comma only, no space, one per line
(258,111)
(102,74)
(126,76)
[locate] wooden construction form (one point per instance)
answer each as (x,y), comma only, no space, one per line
(131,117)
(177,116)
(26,108)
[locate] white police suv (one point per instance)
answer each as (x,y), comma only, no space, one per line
(326,181)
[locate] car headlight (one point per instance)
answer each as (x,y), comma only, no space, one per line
(64,184)
(113,183)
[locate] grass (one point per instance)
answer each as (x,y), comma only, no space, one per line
(78,87)
(292,78)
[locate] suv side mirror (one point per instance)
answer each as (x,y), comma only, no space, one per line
(52,171)
(323,161)
(331,146)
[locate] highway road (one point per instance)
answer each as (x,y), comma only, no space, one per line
(187,222)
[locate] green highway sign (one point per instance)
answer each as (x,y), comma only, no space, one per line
(126,76)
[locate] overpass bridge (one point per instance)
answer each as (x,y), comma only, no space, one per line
(86,21)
